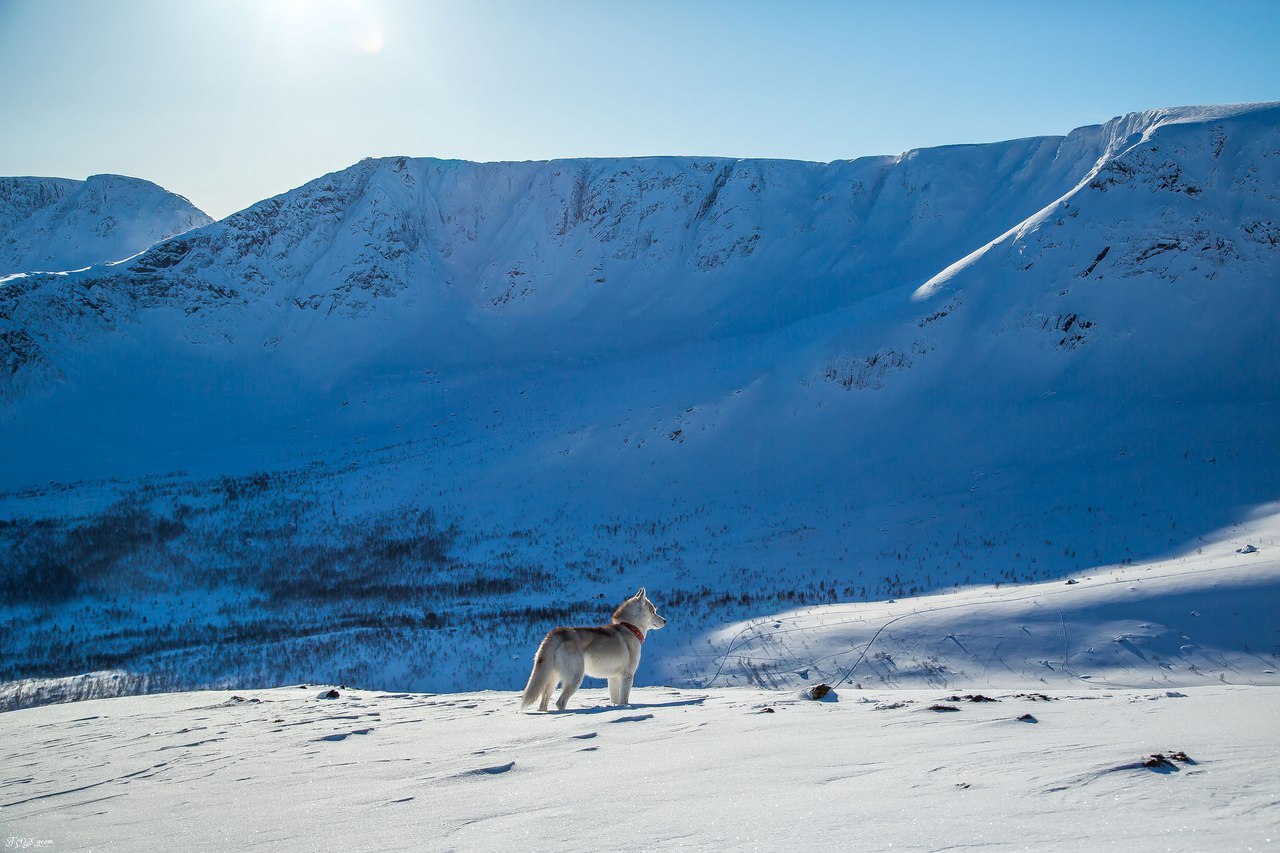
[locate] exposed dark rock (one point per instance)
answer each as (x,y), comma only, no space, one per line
(818,691)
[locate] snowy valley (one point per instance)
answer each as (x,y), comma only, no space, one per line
(416,401)
(417,389)
(986,420)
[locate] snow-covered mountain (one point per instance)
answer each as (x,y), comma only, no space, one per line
(421,261)
(53,224)
(331,434)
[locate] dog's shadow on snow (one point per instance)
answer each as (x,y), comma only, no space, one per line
(637,706)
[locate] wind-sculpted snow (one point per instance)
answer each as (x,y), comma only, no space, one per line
(693,770)
(54,224)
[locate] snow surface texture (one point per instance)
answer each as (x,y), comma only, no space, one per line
(1195,620)
(390,427)
(58,224)
(721,769)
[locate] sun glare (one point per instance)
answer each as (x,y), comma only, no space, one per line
(324,26)
(372,43)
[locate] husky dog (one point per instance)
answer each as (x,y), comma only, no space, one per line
(608,651)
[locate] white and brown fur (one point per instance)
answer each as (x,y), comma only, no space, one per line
(606,651)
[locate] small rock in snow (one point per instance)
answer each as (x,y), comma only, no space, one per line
(819,693)
(328,694)
(1247,549)
(1159,760)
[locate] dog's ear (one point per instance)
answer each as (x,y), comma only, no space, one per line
(639,594)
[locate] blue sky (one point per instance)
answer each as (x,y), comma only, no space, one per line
(230,102)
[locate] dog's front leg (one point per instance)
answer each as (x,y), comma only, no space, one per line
(615,689)
(624,688)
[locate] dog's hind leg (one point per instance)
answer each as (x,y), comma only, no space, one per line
(572,672)
(546,693)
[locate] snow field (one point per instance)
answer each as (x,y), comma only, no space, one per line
(283,769)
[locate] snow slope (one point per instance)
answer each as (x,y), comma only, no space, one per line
(53,224)
(1202,618)
(330,437)
(719,769)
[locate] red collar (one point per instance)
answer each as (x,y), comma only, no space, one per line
(633,629)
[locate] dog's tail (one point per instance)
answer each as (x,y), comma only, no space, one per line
(543,678)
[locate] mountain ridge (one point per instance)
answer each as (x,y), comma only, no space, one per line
(557,236)
(60,224)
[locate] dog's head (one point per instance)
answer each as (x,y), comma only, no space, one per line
(639,610)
